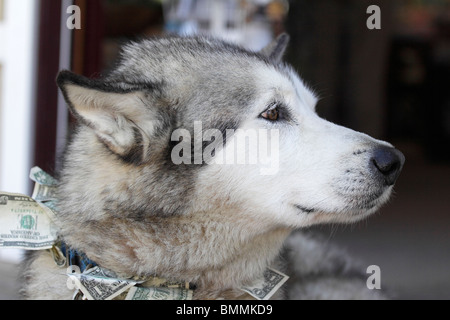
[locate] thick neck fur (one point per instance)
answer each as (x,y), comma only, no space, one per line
(215,246)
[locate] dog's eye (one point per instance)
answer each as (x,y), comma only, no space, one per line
(271,114)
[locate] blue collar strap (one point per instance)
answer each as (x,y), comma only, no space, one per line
(74,257)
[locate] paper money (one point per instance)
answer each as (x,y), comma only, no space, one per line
(44,187)
(43,193)
(266,288)
(158,293)
(161,282)
(50,207)
(25,224)
(58,256)
(100,284)
(40,176)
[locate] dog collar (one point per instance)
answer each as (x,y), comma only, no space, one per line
(75,258)
(95,283)
(87,275)
(91,282)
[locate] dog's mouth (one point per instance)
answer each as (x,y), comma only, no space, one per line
(352,207)
(305,210)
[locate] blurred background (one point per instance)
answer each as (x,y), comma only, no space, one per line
(392,83)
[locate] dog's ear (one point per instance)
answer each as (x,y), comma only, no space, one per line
(275,50)
(119,116)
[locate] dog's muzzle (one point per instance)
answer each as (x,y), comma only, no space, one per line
(387,163)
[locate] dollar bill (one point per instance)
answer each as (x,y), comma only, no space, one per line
(100,284)
(50,207)
(44,187)
(24,223)
(266,288)
(158,293)
(162,282)
(43,193)
(40,176)
(58,256)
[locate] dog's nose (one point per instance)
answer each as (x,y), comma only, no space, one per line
(389,162)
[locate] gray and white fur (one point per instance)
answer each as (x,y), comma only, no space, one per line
(124,202)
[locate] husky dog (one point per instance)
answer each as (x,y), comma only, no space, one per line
(130,206)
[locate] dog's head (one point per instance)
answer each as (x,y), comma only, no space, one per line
(203,121)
